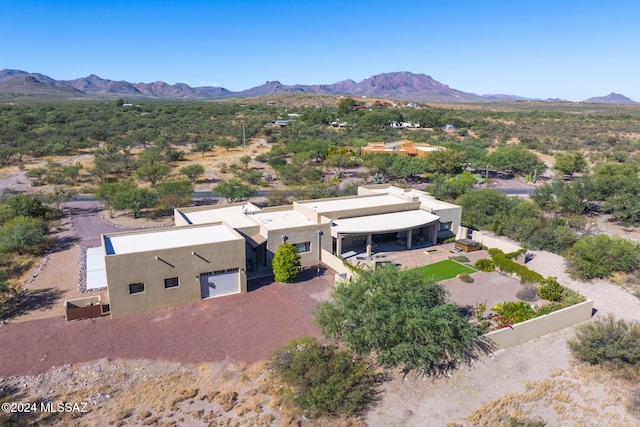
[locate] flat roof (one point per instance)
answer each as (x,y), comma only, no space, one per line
(232,215)
(277,220)
(347,203)
(426,199)
(166,238)
(384,223)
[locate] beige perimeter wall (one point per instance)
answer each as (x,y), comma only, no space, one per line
(534,328)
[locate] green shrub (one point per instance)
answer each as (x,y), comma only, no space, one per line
(528,276)
(485,264)
(321,380)
(494,251)
(459,258)
(285,263)
(608,342)
(599,256)
(550,308)
(512,312)
(551,290)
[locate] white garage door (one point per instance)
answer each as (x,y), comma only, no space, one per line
(219,283)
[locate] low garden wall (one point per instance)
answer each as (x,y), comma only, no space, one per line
(83,308)
(492,242)
(539,326)
(342,271)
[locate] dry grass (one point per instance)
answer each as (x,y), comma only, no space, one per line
(584,395)
(124,393)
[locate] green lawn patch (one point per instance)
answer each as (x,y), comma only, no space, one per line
(443,270)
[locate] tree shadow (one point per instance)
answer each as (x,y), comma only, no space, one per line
(31,300)
(61,244)
(12,394)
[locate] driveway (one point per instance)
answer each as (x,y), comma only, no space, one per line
(241,328)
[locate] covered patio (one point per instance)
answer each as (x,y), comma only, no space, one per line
(367,235)
(411,258)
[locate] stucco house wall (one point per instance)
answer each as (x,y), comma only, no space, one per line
(154,266)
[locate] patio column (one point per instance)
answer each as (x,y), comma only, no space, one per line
(409,237)
(339,245)
(369,241)
(434,234)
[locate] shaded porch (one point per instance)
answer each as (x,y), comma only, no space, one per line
(395,231)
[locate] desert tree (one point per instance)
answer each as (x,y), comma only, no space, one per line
(233,190)
(401,319)
(192,171)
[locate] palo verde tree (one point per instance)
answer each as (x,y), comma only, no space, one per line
(400,318)
(233,190)
(21,234)
(285,263)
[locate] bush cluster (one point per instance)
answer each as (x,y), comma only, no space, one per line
(504,263)
(608,342)
(485,264)
(321,380)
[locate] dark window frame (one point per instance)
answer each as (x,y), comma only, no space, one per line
(136,288)
(171,282)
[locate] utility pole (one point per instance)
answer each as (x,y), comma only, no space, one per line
(244,142)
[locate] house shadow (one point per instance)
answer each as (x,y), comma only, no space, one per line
(33,300)
(259,282)
(311,272)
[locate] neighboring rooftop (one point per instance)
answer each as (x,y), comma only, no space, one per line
(166,238)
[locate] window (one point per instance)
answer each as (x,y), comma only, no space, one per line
(445,226)
(303,247)
(136,288)
(171,283)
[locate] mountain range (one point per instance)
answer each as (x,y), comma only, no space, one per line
(404,86)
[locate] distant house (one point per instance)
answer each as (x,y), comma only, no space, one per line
(278,123)
(448,127)
(401,148)
(404,125)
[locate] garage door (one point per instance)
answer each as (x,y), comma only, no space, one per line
(219,283)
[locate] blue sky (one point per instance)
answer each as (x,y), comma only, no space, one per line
(540,49)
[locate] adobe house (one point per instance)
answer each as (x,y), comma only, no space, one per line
(213,249)
(401,148)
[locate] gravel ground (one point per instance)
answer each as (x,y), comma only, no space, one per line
(546,360)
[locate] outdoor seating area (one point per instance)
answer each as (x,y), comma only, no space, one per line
(410,258)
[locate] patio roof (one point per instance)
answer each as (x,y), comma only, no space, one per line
(383,223)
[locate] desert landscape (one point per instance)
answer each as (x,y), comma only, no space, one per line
(191,379)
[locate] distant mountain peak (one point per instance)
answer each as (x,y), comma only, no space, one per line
(400,85)
(612,98)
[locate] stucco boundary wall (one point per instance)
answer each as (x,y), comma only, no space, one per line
(335,263)
(539,326)
(492,242)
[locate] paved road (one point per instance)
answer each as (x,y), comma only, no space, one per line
(85,211)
